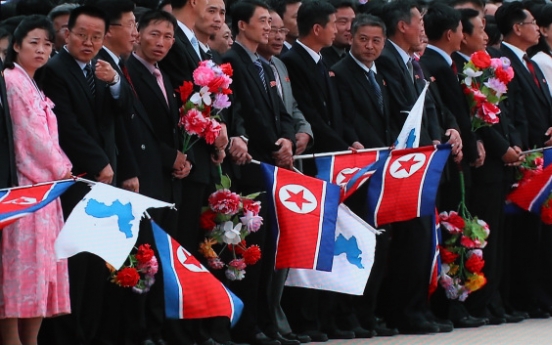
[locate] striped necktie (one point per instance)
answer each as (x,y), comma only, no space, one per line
(90,80)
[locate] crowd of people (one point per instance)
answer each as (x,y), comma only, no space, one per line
(90,88)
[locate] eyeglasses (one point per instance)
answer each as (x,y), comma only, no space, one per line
(533,22)
(283,31)
(131,25)
(85,37)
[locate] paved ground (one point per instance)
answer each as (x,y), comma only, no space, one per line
(528,332)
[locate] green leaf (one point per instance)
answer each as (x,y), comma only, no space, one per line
(225,181)
(253,195)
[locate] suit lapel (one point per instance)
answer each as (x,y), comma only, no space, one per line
(523,73)
(253,71)
(311,66)
(360,76)
(77,72)
(187,45)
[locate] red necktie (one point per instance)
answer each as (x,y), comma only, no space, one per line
(531,69)
(454,69)
(127,76)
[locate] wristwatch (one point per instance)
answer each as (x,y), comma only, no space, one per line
(115,80)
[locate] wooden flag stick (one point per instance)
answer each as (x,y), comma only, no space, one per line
(337,153)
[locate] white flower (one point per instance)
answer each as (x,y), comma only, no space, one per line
(203,96)
(231,233)
(470,73)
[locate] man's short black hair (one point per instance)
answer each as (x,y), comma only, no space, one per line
(313,12)
(363,20)
(508,15)
(156,16)
(90,11)
(243,10)
(114,10)
(467,15)
(279,6)
(176,4)
(439,19)
(475,3)
(337,4)
(396,11)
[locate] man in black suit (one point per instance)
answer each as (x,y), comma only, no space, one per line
(287,10)
(264,131)
(208,24)
(365,104)
(530,109)
(409,260)
(318,100)
(8,175)
(89,98)
(345,14)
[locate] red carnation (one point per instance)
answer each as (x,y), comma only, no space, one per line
(447,256)
(194,122)
(128,277)
(252,255)
(251,205)
(216,84)
(207,220)
(503,75)
(227,69)
(481,59)
(206,111)
(144,254)
(224,201)
(186,90)
(546,213)
(212,132)
(474,264)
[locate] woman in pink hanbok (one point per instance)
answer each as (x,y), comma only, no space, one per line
(33,284)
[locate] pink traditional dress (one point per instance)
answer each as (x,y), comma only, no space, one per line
(32,282)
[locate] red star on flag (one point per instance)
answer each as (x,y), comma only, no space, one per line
(407,165)
(297,198)
(191,260)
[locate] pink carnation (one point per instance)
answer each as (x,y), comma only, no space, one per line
(212,131)
(194,122)
(221,101)
(238,264)
(150,268)
(224,201)
(252,221)
(203,75)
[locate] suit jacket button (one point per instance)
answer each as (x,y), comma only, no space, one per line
(132,116)
(174,130)
(143,147)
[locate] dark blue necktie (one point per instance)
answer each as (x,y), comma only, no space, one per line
(90,80)
(261,72)
(375,88)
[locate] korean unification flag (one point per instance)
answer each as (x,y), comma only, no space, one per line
(105,222)
(304,210)
(410,133)
(355,245)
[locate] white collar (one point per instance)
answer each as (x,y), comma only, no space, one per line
(113,56)
(467,58)
(81,64)
(518,52)
(287,44)
(315,56)
(203,46)
(441,52)
(363,66)
(404,55)
(187,31)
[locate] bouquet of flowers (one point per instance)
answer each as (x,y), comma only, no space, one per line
(228,220)
(201,110)
(461,255)
(485,84)
(139,274)
(531,166)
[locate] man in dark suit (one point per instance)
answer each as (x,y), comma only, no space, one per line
(287,10)
(409,261)
(265,132)
(8,175)
(275,323)
(318,100)
(530,109)
(345,14)
(88,97)
(365,104)
(208,24)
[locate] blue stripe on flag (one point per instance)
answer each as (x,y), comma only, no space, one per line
(431,181)
(325,258)
(173,303)
(269,171)
(375,189)
(547,156)
(324,167)
(237,307)
(541,197)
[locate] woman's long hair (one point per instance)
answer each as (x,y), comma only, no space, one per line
(544,19)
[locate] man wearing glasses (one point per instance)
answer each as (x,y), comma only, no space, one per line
(87,95)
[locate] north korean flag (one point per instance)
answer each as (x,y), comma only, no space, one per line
(349,171)
(191,291)
(531,195)
(304,210)
(405,186)
(21,201)
(547,156)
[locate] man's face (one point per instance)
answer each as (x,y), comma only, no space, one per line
(155,41)
(211,20)
(529,29)
(60,27)
(222,40)
(123,33)
(85,40)
(275,38)
(258,28)
(290,20)
(344,19)
(477,40)
(367,44)
(4,43)
(326,35)
(413,30)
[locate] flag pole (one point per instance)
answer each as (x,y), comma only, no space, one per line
(540,149)
(338,153)
(36,185)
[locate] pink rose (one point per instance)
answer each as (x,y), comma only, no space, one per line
(252,221)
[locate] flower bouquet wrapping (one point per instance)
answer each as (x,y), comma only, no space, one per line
(485,85)
(228,220)
(201,110)
(139,274)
